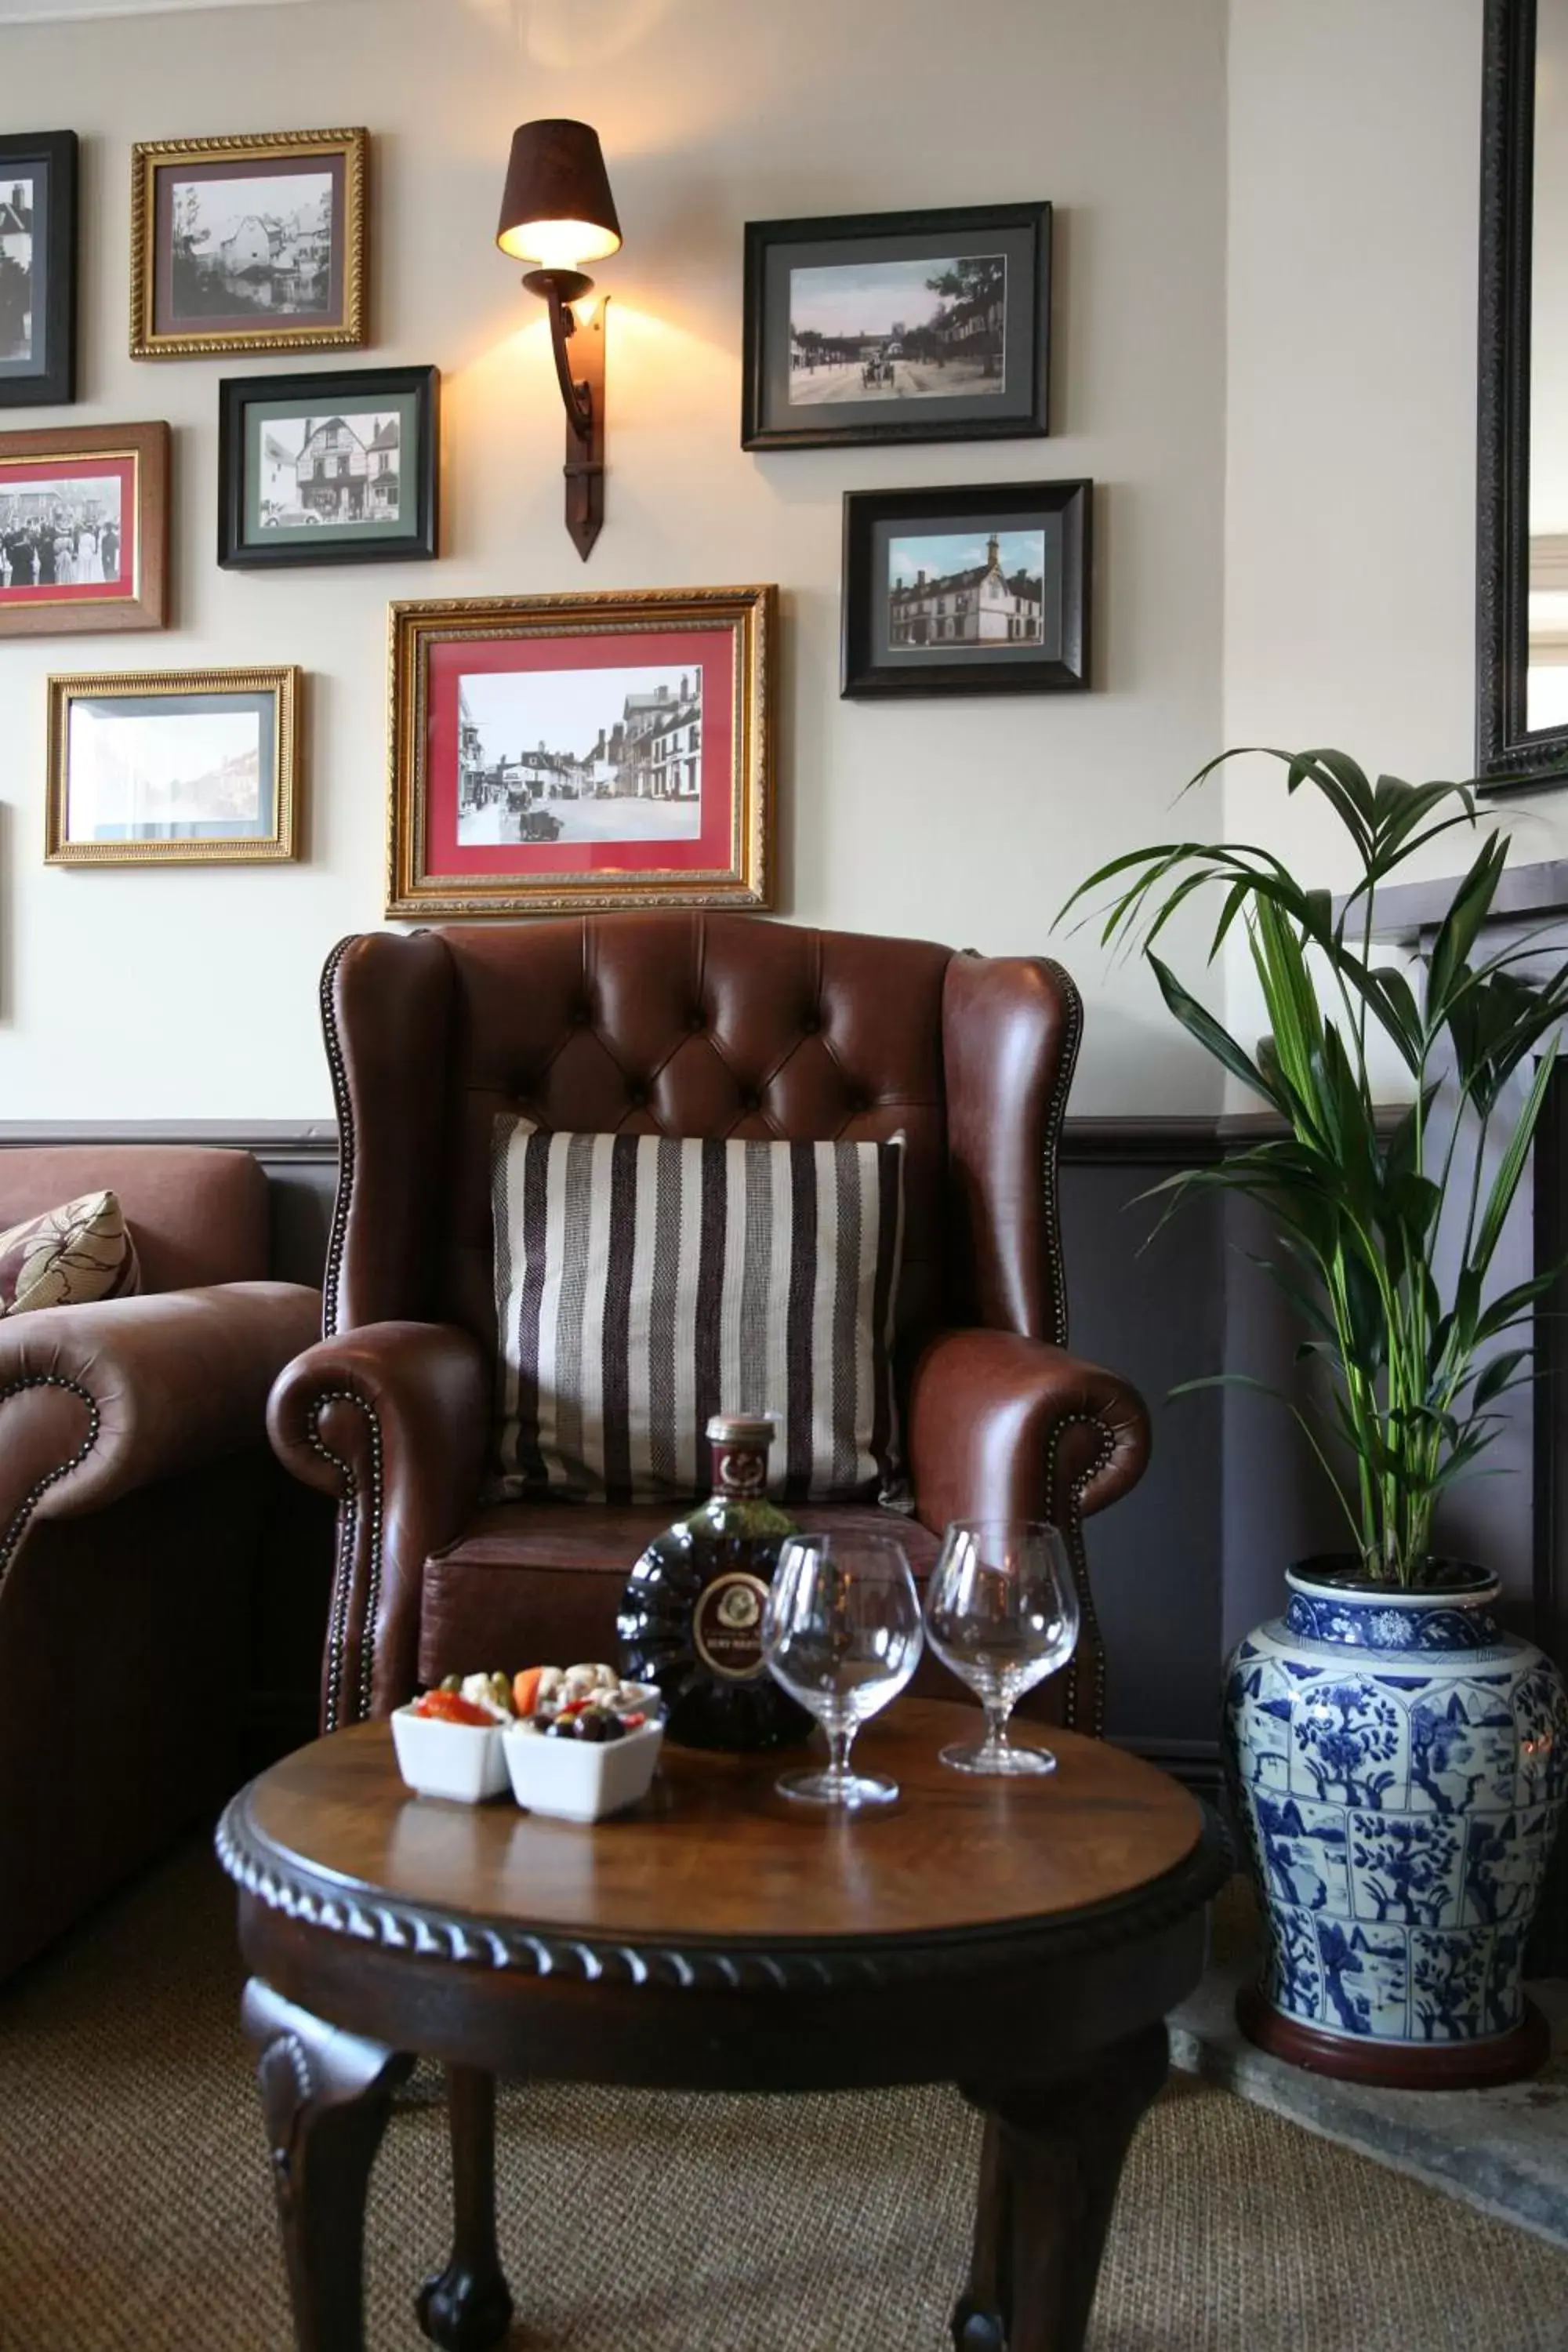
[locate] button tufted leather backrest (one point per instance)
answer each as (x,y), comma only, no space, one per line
(687,1024)
(695,1025)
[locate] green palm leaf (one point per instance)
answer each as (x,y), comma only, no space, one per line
(1404,1338)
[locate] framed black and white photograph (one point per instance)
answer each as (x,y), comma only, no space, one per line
(254,243)
(193,766)
(339,468)
(84,529)
(557,752)
(38,269)
(967,591)
(930,326)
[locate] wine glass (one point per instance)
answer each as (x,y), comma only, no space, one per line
(842,1632)
(1001,1614)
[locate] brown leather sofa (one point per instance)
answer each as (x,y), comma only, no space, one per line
(133,1466)
(695,1026)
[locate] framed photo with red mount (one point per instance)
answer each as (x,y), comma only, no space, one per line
(84,530)
(553,754)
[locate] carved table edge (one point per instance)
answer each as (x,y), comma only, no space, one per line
(433,1932)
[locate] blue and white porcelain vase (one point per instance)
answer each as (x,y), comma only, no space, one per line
(1398,1764)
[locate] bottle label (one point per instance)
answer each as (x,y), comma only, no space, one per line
(727,1626)
(740,1469)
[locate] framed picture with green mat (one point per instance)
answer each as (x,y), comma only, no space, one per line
(342,467)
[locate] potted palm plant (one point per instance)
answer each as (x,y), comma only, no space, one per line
(1396,1759)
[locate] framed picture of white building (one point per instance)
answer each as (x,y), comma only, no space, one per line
(254,243)
(335,468)
(967,591)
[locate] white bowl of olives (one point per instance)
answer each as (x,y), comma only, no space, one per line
(586,1746)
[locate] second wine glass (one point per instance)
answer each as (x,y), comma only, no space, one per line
(1001,1613)
(842,1632)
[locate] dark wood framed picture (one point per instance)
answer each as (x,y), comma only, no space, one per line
(338,468)
(84,529)
(967,591)
(559,753)
(189,767)
(248,245)
(38,269)
(930,326)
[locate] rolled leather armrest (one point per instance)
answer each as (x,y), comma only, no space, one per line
(98,1400)
(392,1419)
(1004,1427)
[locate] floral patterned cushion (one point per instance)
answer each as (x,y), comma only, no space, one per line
(68,1256)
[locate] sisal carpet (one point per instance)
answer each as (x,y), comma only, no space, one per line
(136,2211)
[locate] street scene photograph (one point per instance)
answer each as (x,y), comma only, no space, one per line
(330,470)
(59,532)
(16,289)
(137,774)
(897,329)
(979,591)
(260,245)
(580,755)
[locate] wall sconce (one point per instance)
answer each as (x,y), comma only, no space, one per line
(558,213)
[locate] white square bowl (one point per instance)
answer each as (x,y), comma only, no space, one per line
(581,1779)
(462,1761)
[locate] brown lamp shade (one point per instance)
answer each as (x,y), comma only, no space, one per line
(557,209)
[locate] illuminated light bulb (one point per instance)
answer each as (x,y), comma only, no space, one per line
(559,244)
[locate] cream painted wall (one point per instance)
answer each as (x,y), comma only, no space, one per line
(1353,131)
(192,994)
(1349,522)
(1354,151)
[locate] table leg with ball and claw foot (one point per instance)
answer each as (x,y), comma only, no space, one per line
(466,2307)
(325,2096)
(1048,2171)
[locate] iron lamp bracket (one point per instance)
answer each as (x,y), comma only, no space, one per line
(579,349)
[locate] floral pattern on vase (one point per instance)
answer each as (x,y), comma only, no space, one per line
(1399,1767)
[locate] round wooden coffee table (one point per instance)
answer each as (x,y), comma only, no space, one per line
(1022,1939)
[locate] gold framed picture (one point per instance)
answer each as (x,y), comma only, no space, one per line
(186,767)
(84,529)
(560,753)
(249,244)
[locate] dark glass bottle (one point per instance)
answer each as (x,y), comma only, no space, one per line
(691,1618)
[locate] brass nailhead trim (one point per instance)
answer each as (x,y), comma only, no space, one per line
(12,1539)
(343,1574)
(346,1154)
(1056,1116)
(1079,1557)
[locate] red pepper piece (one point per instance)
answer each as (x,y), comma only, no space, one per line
(450,1706)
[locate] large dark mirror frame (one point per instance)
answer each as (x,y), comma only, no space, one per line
(1522,603)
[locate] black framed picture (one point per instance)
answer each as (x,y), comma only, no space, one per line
(967,591)
(38,269)
(930,326)
(336,469)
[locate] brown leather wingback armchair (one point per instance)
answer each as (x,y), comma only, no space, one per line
(133,1462)
(694,1025)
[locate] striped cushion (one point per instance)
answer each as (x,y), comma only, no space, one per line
(644,1282)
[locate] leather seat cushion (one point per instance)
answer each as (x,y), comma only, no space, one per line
(540,1583)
